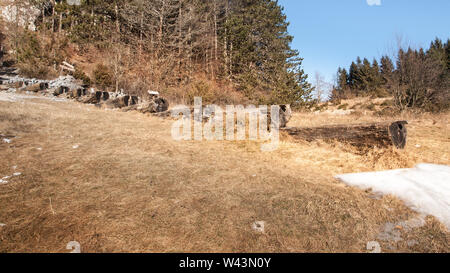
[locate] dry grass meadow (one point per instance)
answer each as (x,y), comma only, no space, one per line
(128,187)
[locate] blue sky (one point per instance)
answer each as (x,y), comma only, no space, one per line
(332,33)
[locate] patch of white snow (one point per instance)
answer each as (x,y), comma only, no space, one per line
(425,188)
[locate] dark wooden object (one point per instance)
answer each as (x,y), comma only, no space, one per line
(376,134)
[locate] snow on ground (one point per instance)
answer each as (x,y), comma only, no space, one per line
(4,180)
(425,188)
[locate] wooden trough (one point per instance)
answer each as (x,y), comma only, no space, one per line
(375,134)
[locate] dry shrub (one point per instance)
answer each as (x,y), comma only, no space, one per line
(201,89)
(79,74)
(371,107)
(213,93)
(36,54)
(343,106)
(103,76)
(34,70)
(32,59)
(357,114)
(387,112)
(379,93)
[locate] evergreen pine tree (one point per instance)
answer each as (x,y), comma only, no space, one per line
(353,75)
(263,59)
(387,69)
(342,79)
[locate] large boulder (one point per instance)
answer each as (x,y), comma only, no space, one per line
(68,81)
(162,105)
(61,90)
(119,102)
(83,92)
(43,86)
(76,93)
(157,105)
(64,90)
(98,96)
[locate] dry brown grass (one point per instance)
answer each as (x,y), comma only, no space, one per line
(130,187)
(428,142)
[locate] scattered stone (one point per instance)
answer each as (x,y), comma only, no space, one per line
(67,81)
(74,89)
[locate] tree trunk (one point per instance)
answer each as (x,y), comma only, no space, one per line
(116,10)
(43,20)
(231,62)
(60,24)
(141,35)
(53,16)
(180,38)
(377,134)
(216,42)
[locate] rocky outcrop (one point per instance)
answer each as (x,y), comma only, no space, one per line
(25,14)
(69,87)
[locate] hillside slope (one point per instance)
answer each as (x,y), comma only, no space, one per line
(117,182)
